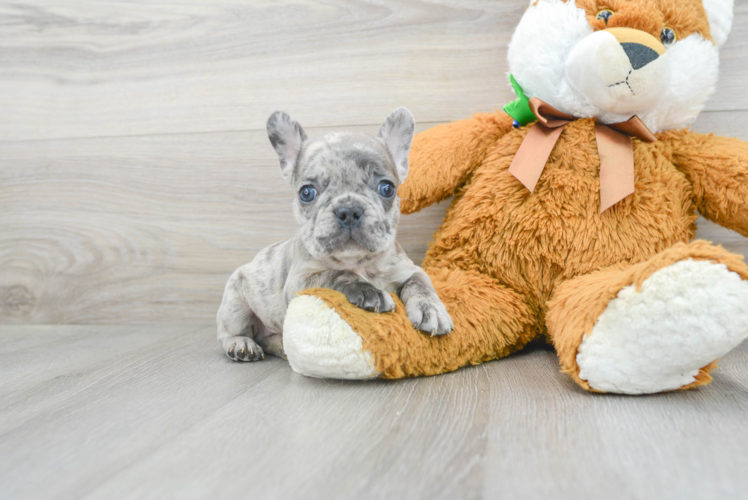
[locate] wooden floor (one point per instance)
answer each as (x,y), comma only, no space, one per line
(158,412)
(135,176)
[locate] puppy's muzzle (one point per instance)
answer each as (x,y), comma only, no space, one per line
(349,216)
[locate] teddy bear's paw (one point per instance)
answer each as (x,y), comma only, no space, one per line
(319,343)
(657,338)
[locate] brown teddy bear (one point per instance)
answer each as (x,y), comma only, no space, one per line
(572,218)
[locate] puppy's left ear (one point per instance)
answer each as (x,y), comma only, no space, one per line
(397,133)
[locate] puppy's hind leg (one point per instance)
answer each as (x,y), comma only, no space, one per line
(238,324)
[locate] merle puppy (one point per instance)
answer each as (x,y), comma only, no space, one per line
(347,208)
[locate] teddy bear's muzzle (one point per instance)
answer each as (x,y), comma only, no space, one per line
(620,70)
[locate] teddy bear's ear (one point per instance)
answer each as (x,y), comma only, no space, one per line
(720,16)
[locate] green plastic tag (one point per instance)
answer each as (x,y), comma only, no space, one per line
(519,109)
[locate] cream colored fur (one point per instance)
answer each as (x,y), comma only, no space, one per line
(720,14)
(320,344)
(656,339)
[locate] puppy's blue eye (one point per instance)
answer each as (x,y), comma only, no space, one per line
(308,194)
(386,189)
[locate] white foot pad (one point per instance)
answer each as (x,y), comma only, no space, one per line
(656,339)
(318,343)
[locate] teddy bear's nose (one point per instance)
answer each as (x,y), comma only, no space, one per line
(639,55)
(640,47)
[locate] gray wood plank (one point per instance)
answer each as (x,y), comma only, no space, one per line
(72,69)
(118,412)
(76,353)
(174,419)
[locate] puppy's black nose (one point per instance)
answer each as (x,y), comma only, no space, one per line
(349,216)
(639,55)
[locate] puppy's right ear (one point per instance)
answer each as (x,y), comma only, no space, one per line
(397,133)
(286,136)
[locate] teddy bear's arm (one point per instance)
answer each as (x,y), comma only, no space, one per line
(442,158)
(718,169)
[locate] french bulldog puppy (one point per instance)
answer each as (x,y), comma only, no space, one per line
(347,208)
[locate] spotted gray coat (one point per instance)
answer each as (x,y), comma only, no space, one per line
(347,209)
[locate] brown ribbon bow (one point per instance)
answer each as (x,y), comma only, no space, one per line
(613,145)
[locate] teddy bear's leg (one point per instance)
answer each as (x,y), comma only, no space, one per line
(325,336)
(652,327)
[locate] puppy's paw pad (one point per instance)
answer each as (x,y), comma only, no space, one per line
(429,316)
(243,349)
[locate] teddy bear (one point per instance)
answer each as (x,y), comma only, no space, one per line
(573,213)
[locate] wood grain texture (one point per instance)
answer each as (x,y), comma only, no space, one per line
(142,229)
(73,69)
(134,172)
(158,412)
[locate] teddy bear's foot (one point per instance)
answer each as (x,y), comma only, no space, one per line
(658,338)
(319,343)
(324,335)
(655,326)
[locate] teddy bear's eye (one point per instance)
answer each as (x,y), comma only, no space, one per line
(605,15)
(668,37)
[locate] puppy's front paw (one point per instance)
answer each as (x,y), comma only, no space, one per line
(429,316)
(242,349)
(368,297)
